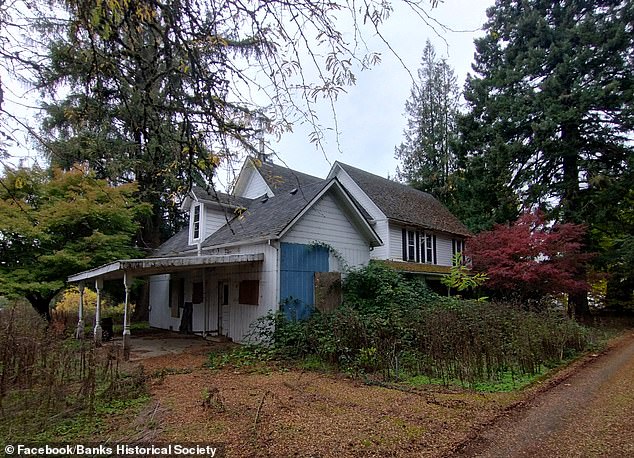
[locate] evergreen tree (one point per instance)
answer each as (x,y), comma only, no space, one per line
(163,92)
(427,154)
(551,106)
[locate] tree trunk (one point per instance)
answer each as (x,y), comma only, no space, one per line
(142,308)
(578,305)
(41,304)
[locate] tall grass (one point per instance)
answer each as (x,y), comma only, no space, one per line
(45,376)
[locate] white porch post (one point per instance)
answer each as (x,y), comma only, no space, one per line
(127,280)
(98,331)
(79,334)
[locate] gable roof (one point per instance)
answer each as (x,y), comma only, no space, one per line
(405,204)
(175,245)
(270,217)
(282,179)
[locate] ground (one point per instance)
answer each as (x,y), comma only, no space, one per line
(587,411)
(274,411)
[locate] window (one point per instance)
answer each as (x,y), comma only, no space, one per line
(457,246)
(428,248)
(196,222)
(411,246)
(249,293)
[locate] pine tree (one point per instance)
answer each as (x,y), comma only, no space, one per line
(427,154)
(551,105)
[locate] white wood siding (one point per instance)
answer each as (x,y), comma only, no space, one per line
(240,316)
(255,186)
(215,219)
(443,249)
(327,222)
(382,229)
(396,242)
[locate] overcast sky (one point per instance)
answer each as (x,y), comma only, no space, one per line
(371,115)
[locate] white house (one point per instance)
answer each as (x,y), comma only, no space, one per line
(280,241)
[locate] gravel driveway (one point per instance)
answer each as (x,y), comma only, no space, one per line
(588,414)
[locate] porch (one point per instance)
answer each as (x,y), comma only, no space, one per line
(184,268)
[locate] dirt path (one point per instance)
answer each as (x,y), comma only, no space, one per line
(589,414)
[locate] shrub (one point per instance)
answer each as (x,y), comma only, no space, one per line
(394,326)
(69,304)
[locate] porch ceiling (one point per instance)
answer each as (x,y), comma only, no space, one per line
(153,266)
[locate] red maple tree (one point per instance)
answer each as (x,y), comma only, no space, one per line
(529,258)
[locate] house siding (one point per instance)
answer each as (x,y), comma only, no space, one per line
(396,243)
(382,229)
(215,219)
(326,222)
(241,316)
(238,317)
(255,186)
(443,249)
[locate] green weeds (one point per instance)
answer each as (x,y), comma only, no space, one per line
(53,387)
(394,328)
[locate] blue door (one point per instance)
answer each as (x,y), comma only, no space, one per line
(299,263)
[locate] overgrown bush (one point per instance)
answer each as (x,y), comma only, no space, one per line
(394,326)
(68,304)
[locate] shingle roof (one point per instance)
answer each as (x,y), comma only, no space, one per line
(220,197)
(266,217)
(283,179)
(406,204)
(175,245)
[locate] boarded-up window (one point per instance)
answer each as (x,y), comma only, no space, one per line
(249,292)
(327,291)
(177,296)
(197,293)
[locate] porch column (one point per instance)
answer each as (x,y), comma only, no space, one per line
(79,334)
(98,332)
(127,280)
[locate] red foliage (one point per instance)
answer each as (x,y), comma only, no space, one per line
(530,258)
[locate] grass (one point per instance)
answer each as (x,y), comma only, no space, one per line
(56,387)
(34,425)
(504,383)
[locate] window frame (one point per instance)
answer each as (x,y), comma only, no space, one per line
(411,245)
(197,214)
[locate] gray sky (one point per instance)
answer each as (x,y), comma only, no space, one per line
(371,115)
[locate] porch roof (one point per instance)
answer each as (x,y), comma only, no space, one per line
(150,266)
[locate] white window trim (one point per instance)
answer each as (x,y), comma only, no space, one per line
(193,222)
(427,248)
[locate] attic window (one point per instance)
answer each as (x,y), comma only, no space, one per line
(293,191)
(264,199)
(196,223)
